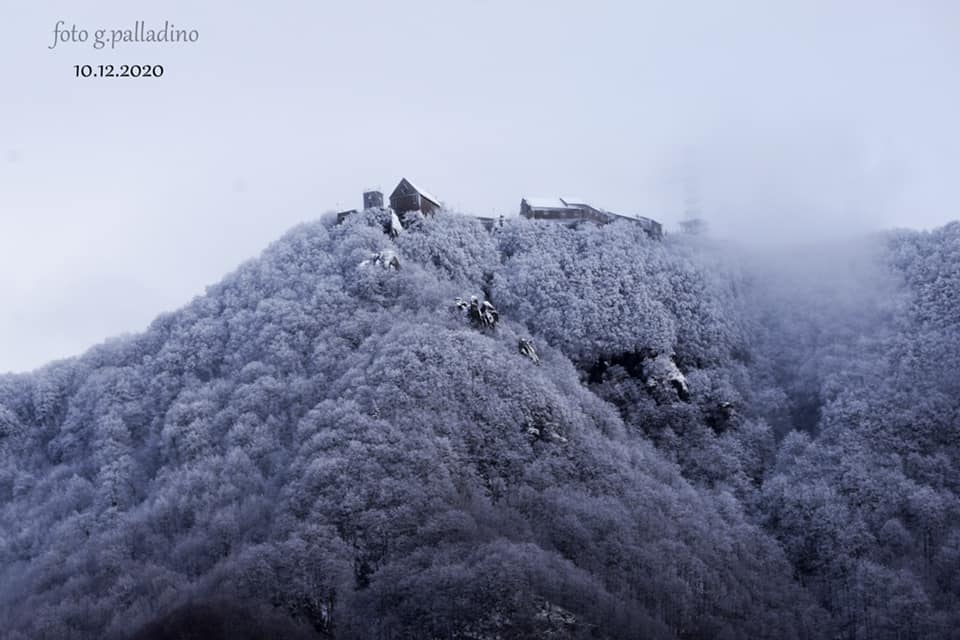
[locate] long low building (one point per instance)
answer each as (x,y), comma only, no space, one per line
(570,210)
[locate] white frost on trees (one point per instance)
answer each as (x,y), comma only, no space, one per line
(394,227)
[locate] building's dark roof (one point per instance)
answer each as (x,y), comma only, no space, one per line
(423,194)
(546,203)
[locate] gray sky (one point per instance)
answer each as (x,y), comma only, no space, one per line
(123,198)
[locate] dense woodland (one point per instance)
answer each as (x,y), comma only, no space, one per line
(715,443)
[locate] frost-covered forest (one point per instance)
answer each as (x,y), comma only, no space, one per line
(697,441)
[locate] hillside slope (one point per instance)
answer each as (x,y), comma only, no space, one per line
(330,446)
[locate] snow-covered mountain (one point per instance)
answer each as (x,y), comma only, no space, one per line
(326,444)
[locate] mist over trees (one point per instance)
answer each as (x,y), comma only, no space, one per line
(714,444)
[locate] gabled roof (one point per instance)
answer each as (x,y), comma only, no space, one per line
(423,194)
(565,202)
(545,203)
(571,201)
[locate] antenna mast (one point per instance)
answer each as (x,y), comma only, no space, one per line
(693,221)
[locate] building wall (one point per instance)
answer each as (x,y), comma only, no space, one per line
(343,215)
(576,214)
(372,200)
(402,202)
(655,230)
(570,214)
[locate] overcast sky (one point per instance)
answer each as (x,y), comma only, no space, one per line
(123,198)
